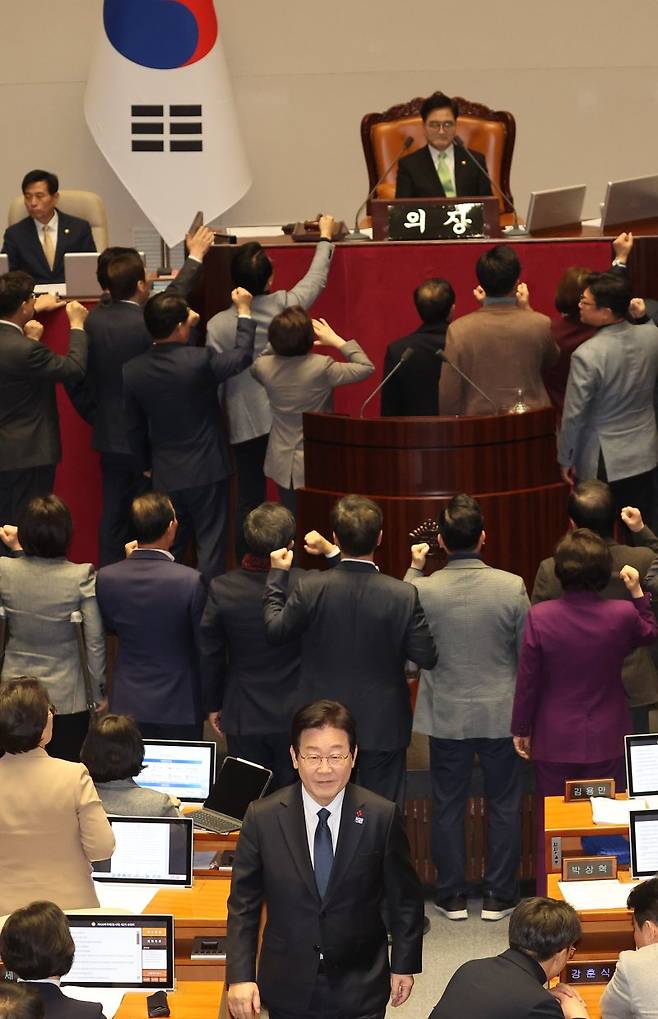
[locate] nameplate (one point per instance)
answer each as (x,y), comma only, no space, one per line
(436,221)
(595,971)
(589,868)
(584,789)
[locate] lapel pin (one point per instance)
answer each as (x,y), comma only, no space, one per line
(358,817)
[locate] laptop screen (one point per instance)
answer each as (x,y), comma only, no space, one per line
(238,783)
(642,764)
(643,830)
(180,768)
(122,951)
(149,850)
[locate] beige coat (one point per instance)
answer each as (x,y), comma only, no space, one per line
(52,825)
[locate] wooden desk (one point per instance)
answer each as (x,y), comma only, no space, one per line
(566,823)
(199,999)
(606,932)
(592,998)
(200,911)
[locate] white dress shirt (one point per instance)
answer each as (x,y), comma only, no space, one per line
(311,818)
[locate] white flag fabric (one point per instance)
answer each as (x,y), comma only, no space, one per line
(160,107)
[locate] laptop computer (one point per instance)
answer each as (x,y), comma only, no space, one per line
(238,783)
(555,207)
(133,952)
(80,273)
(642,764)
(181,768)
(626,201)
(149,850)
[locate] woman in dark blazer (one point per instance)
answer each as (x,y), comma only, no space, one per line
(570,714)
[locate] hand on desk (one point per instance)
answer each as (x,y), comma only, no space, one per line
(47,302)
(572,1004)
(244,1000)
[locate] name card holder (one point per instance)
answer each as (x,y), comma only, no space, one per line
(434,219)
(589,868)
(576,790)
(589,971)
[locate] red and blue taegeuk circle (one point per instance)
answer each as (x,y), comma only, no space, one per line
(161,34)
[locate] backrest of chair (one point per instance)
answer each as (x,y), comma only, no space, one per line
(491,132)
(84,204)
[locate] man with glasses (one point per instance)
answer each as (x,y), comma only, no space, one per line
(30,445)
(322,855)
(440,169)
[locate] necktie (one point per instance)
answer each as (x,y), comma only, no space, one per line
(323,852)
(445,176)
(48,248)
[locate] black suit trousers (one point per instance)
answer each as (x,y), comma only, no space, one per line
(272,750)
(249,460)
(201,512)
(123,481)
(16,490)
(322,1006)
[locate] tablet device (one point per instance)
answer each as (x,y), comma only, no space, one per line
(643,831)
(642,764)
(119,950)
(149,850)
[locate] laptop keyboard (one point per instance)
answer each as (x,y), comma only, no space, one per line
(206,819)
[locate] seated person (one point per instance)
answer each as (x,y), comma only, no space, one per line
(38,243)
(441,169)
(18,1001)
(633,991)
(113,753)
(36,945)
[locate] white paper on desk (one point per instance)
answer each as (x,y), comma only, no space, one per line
(114,894)
(267,230)
(109,997)
(50,288)
(607,811)
(597,894)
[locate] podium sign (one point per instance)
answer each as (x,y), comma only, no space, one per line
(434,219)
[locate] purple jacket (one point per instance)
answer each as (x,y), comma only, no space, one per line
(569,696)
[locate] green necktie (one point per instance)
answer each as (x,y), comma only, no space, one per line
(443,171)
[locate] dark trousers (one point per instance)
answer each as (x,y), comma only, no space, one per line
(287,498)
(201,511)
(640,718)
(16,490)
(123,481)
(152,730)
(69,733)
(272,750)
(322,1005)
(383,772)
(451,765)
(634,491)
(252,487)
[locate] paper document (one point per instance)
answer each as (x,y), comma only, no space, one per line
(607,811)
(50,288)
(114,895)
(597,894)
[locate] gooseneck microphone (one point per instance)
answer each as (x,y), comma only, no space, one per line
(357,235)
(441,354)
(514,231)
(404,357)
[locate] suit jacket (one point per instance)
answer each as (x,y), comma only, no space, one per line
(633,990)
(638,673)
(476,615)
(609,403)
(508,986)
(502,348)
(38,596)
(297,385)
(414,389)
(52,825)
(247,405)
(569,696)
(171,413)
(25,250)
(117,334)
(124,797)
(357,627)
(58,1005)
(29,423)
(417,176)
(568,336)
(154,606)
(371,863)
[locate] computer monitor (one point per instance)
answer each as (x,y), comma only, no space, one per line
(555,207)
(181,768)
(643,831)
(627,201)
(120,950)
(149,850)
(4,264)
(642,764)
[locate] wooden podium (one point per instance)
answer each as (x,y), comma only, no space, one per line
(411,466)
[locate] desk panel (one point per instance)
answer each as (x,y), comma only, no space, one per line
(202,999)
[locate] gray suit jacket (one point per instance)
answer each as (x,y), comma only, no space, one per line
(38,596)
(633,990)
(608,406)
(125,797)
(476,615)
(247,405)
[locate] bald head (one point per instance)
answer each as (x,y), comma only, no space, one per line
(591,505)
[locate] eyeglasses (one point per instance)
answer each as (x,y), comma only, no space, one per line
(437,125)
(316,759)
(582,303)
(52,709)
(571,951)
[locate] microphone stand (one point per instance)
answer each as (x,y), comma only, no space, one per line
(358,235)
(514,231)
(406,354)
(441,354)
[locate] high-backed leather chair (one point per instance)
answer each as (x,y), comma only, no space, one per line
(84,204)
(491,132)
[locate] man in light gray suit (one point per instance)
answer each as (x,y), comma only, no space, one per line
(476,615)
(246,402)
(609,423)
(633,990)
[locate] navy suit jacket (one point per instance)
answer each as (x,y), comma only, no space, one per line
(414,389)
(25,252)
(58,1005)
(154,606)
(417,176)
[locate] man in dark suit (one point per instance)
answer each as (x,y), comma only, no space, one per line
(542,935)
(154,606)
(441,169)
(322,856)
(414,389)
(357,628)
(172,419)
(117,333)
(38,243)
(30,445)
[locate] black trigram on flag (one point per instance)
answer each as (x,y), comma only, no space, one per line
(166,128)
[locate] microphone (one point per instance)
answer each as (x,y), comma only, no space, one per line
(441,353)
(357,235)
(404,357)
(514,231)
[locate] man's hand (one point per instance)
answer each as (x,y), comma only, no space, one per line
(522,296)
(47,302)
(479,294)
(572,1004)
(9,537)
(33,329)
(631,579)
(244,1000)
(568,475)
(522,746)
(281,559)
(199,242)
(326,337)
(130,547)
(316,544)
(401,985)
(632,517)
(327,224)
(102,705)
(242,301)
(214,718)
(637,308)
(419,555)
(622,246)
(77,314)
